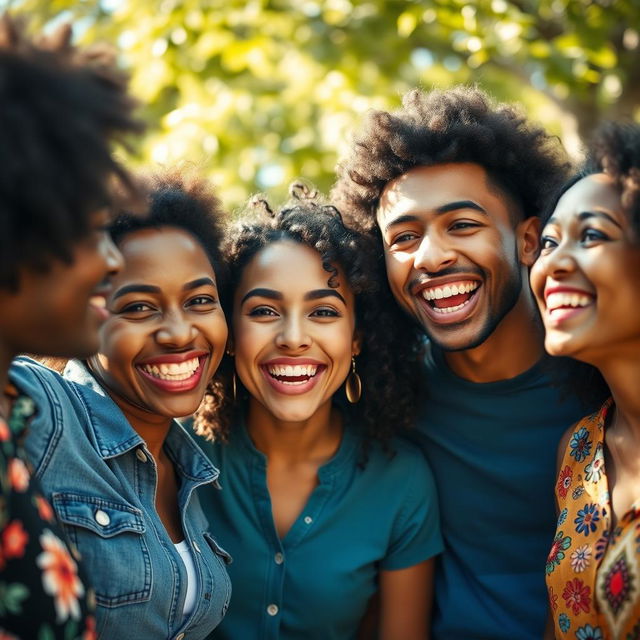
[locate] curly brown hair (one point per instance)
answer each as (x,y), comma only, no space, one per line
(458,125)
(386,363)
(60,109)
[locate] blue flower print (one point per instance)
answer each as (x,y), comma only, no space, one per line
(589,633)
(563,622)
(580,444)
(562,517)
(587,518)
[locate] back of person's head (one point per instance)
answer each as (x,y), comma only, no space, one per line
(60,110)
(454,126)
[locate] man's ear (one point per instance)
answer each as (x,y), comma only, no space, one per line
(528,234)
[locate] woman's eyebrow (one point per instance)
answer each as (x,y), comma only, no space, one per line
(323,293)
(262,293)
(136,288)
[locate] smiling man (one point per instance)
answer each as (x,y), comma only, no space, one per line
(453,185)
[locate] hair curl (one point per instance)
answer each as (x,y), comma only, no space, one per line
(458,125)
(59,110)
(386,365)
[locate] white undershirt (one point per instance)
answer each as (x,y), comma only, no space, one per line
(190,599)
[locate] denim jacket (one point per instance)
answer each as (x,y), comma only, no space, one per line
(101,480)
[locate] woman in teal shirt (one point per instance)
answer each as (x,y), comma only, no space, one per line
(321,508)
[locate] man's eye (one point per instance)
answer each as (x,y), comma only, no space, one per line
(405,237)
(461,226)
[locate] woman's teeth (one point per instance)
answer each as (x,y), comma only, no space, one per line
(173,370)
(292,374)
(293,371)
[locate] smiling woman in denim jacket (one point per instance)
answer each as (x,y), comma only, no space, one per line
(119,470)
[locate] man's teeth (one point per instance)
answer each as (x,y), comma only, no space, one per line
(173,370)
(292,371)
(456,307)
(566,299)
(437,293)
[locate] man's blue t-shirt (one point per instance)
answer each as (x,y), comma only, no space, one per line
(492,448)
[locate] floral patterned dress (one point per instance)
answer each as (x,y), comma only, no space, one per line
(42,595)
(593,572)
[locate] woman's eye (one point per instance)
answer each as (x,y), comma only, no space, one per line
(262,312)
(325,312)
(593,235)
(548,243)
(136,307)
(200,301)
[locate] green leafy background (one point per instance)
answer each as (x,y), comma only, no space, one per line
(258,93)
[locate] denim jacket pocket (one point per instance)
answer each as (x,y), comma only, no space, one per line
(110,538)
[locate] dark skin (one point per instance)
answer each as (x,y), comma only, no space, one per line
(589,246)
(164,319)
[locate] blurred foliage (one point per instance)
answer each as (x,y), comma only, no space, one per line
(260,92)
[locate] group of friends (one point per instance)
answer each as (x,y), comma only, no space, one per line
(352,412)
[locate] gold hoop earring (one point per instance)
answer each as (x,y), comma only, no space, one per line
(234,386)
(353,385)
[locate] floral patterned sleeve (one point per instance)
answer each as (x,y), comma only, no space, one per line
(42,594)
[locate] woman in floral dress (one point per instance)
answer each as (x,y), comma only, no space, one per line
(587,285)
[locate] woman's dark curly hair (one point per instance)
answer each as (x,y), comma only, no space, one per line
(385,364)
(615,150)
(458,125)
(59,110)
(180,198)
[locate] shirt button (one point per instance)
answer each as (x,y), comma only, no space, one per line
(272,609)
(278,558)
(308,519)
(140,454)
(196,547)
(102,518)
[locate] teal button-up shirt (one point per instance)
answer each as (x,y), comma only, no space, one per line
(316,582)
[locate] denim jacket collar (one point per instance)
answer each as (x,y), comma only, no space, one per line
(116,436)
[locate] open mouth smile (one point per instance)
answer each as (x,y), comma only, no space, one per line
(174,373)
(292,378)
(451,301)
(564,304)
